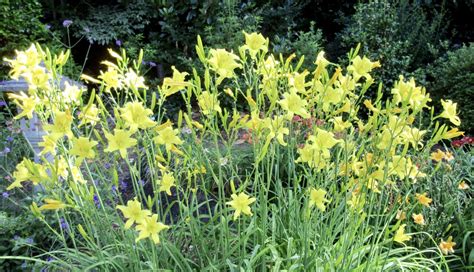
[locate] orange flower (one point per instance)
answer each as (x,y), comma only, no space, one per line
(447,246)
(418,218)
(423,199)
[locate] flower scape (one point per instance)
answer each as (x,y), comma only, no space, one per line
(314,186)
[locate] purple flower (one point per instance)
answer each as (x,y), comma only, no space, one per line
(3,104)
(29,240)
(107,165)
(63,224)
(118,43)
(16,237)
(152,64)
(114,189)
(96,201)
(50,259)
(10,139)
(67,23)
(5,194)
(6,150)
(123,185)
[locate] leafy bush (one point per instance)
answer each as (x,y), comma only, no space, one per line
(401,35)
(452,77)
(306,44)
(20,25)
(298,182)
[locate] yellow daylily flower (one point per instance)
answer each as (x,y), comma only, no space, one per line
(89,115)
(24,61)
(277,129)
(83,148)
(166,182)
(241,204)
(120,141)
(26,103)
(255,42)
(133,212)
(61,125)
(150,227)
(172,85)
(52,204)
(294,104)
(340,125)
(223,63)
(49,144)
(361,67)
(208,103)
(168,137)
(136,116)
(452,133)
(317,198)
(400,236)
(450,112)
(112,79)
(134,81)
(21,174)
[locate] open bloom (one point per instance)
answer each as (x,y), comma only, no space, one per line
(133,212)
(241,204)
(208,103)
(223,63)
(463,185)
(172,85)
(450,112)
(423,199)
(136,116)
(166,182)
(447,246)
(168,137)
(83,148)
(120,141)
(150,227)
(255,42)
(400,236)
(418,218)
(294,104)
(318,199)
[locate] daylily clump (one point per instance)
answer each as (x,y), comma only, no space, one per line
(327,178)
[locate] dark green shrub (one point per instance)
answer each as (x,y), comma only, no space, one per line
(401,35)
(301,43)
(452,77)
(19,26)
